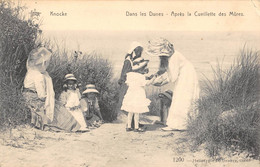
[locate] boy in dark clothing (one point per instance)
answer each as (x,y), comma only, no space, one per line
(165,103)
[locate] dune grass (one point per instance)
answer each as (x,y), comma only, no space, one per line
(228,113)
(88,69)
(18,37)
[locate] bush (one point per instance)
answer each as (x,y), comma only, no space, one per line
(228,113)
(17,39)
(88,69)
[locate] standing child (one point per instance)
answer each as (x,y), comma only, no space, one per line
(165,103)
(135,101)
(70,98)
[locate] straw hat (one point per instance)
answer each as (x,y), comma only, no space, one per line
(39,56)
(70,77)
(167,93)
(133,46)
(139,63)
(90,88)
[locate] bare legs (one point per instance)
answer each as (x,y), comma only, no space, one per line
(136,120)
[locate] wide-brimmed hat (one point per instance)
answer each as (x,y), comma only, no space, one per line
(167,93)
(133,46)
(160,47)
(90,88)
(70,77)
(139,63)
(39,56)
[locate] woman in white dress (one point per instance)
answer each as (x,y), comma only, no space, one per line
(38,88)
(178,70)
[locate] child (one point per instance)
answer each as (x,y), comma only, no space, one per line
(165,103)
(70,98)
(90,107)
(135,100)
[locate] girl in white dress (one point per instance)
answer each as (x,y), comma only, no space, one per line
(135,101)
(70,98)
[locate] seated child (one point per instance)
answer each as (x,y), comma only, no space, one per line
(90,107)
(165,103)
(70,98)
(135,101)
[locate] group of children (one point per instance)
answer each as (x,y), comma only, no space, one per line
(135,102)
(85,108)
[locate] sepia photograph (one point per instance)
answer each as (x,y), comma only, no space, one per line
(131,83)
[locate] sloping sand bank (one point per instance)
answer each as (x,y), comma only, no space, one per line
(109,145)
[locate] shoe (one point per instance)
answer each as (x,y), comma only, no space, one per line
(129,129)
(83,130)
(158,122)
(141,125)
(139,130)
(167,129)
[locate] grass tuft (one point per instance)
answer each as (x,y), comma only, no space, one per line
(228,113)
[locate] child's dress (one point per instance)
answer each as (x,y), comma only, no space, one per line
(71,100)
(92,111)
(135,100)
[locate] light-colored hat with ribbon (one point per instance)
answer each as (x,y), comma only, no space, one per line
(139,63)
(39,56)
(70,77)
(160,47)
(90,88)
(133,46)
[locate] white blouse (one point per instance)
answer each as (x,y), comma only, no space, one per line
(34,80)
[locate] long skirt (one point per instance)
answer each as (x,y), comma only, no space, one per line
(63,119)
(78,115)
(122,92)
(185,93)
(36,106)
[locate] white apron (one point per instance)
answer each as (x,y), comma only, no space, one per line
(185,91)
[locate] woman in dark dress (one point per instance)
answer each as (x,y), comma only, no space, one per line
(134,52)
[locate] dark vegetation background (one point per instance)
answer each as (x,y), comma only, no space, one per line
(18,37)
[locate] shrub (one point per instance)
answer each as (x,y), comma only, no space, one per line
(88,69)
(17,39)
(228,113)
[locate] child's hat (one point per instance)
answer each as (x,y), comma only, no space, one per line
(70,77)
(139,63)
(167,93)
(90,88)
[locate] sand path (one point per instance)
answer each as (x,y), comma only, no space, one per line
(109,145)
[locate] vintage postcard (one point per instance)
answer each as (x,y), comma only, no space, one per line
(129,83)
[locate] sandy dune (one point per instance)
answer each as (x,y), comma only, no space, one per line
(109,145)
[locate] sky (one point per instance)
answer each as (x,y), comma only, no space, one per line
(104,27)
(111,15)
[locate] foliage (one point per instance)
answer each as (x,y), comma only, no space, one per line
(88,69)
(17,39)
(228,114)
